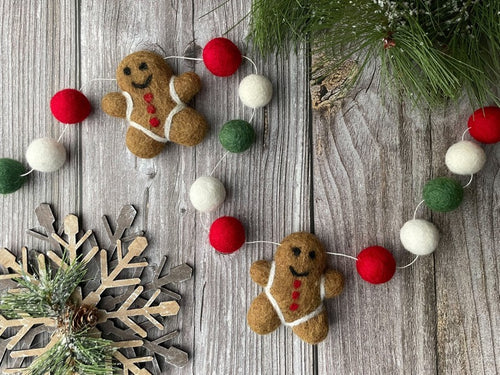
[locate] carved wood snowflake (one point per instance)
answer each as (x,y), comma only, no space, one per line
(131,296)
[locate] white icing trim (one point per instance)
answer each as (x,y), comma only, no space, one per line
(276,307)
(128,113)
(179,106)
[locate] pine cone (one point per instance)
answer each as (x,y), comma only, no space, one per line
(84,317)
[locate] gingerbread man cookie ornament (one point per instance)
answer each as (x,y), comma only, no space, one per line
(295,285)
(153,101)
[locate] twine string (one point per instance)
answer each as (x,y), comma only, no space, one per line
(218,163)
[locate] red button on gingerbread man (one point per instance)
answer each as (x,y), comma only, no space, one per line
(295,285)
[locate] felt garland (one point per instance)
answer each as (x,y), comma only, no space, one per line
(222,57)
(376,264)
(154,97)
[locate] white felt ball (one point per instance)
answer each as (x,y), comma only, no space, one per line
(419,237)
(465,158)
(46,155)
(207,193)
(255,91)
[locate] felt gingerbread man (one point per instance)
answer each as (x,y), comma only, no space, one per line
(153,101)
(295,285)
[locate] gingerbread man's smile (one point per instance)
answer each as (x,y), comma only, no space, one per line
(298,274)
(143,85)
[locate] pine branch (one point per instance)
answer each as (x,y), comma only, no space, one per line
(77,353)
(45,294)
(432,51)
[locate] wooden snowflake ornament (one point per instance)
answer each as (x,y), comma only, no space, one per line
(87,311)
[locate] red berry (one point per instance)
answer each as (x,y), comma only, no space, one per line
(70,106)
(484,125)
(227,234)
(222,57)
(376,265)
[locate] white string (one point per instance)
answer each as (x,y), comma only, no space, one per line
(254,65)
(95,80)
(220,161)
(251,117)
(343,255)
(62,133)
(269,242)
(464,133)
(416,209)
(184,58)
(470,181)
(409,264)
(27,173)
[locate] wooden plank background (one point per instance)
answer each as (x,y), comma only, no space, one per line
(352,176)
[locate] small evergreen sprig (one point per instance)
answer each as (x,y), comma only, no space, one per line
(44,294)
(47,293)
(75,353)
(429,50)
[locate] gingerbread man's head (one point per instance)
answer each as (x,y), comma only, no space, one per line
(301,255)
(143,70)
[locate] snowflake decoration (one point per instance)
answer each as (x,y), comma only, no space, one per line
(131,297)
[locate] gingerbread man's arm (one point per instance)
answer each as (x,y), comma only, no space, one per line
(334,283)
(187,85)
(114,104)
(259,272)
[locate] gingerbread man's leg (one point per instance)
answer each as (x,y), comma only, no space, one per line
(262,317)
(314,330)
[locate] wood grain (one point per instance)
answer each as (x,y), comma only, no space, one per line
(353,177)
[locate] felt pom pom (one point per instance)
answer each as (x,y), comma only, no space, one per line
(222,57)
(255,91)
(376,265)
(46,155)
(207,193)
(227,234)
(443,194)
(419,237)
(465,158)
(70,106)
(484,125)
(237,136)
(10,175)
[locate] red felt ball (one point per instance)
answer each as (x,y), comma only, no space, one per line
(376,265)
(222,57)
(70,106)
(227,234)
(484,125)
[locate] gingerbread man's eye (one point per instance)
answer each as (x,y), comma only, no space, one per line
(127,71)
(143,66)
(312,254)
(296,251)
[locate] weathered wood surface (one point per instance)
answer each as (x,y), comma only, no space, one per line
(353,177)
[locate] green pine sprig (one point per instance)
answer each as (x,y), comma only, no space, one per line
(44,294)
(75,353)
(432,51)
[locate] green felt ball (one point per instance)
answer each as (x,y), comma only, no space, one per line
(237,136)
(10,175)
(443,194)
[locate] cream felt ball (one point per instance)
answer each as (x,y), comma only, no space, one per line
(207,193)
(255,91)
(46,155)
(419,237)
(465,158)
